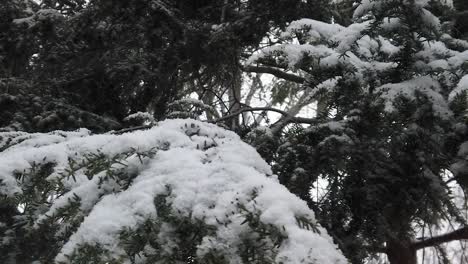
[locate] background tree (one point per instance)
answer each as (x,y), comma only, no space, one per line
(114,58)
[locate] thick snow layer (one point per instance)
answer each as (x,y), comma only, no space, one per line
(208,170)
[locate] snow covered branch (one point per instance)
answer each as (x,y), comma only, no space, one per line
(276,72)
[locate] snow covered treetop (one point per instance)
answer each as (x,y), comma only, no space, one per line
(181,192)
(394,49)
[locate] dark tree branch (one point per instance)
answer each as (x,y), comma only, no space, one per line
(274,71)
(292,119)
(459,234)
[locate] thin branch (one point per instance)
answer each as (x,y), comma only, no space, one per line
(459,234)
(274,71)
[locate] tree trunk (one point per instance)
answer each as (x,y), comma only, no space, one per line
(401,252)
(235,96)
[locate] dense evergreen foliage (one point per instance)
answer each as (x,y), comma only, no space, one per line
(114,58)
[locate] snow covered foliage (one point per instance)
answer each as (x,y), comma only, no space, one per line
(393,50)
(181,192)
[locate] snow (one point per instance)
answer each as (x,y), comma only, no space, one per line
(461,87)
(347,38)
(317,30)
(294,53)
(334,126)
(26,20)
(430,20)
(365,6)
(463,150)
(387,47)
(457,42)
(390,24)
(457,60)
(438,65)
(331,45)
(140,116)
(204,171)
(425,85)
(372,6)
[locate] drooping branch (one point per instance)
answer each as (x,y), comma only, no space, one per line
(291,119)
(459,234)
(276,72)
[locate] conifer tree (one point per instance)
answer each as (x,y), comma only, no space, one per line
(386,142)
